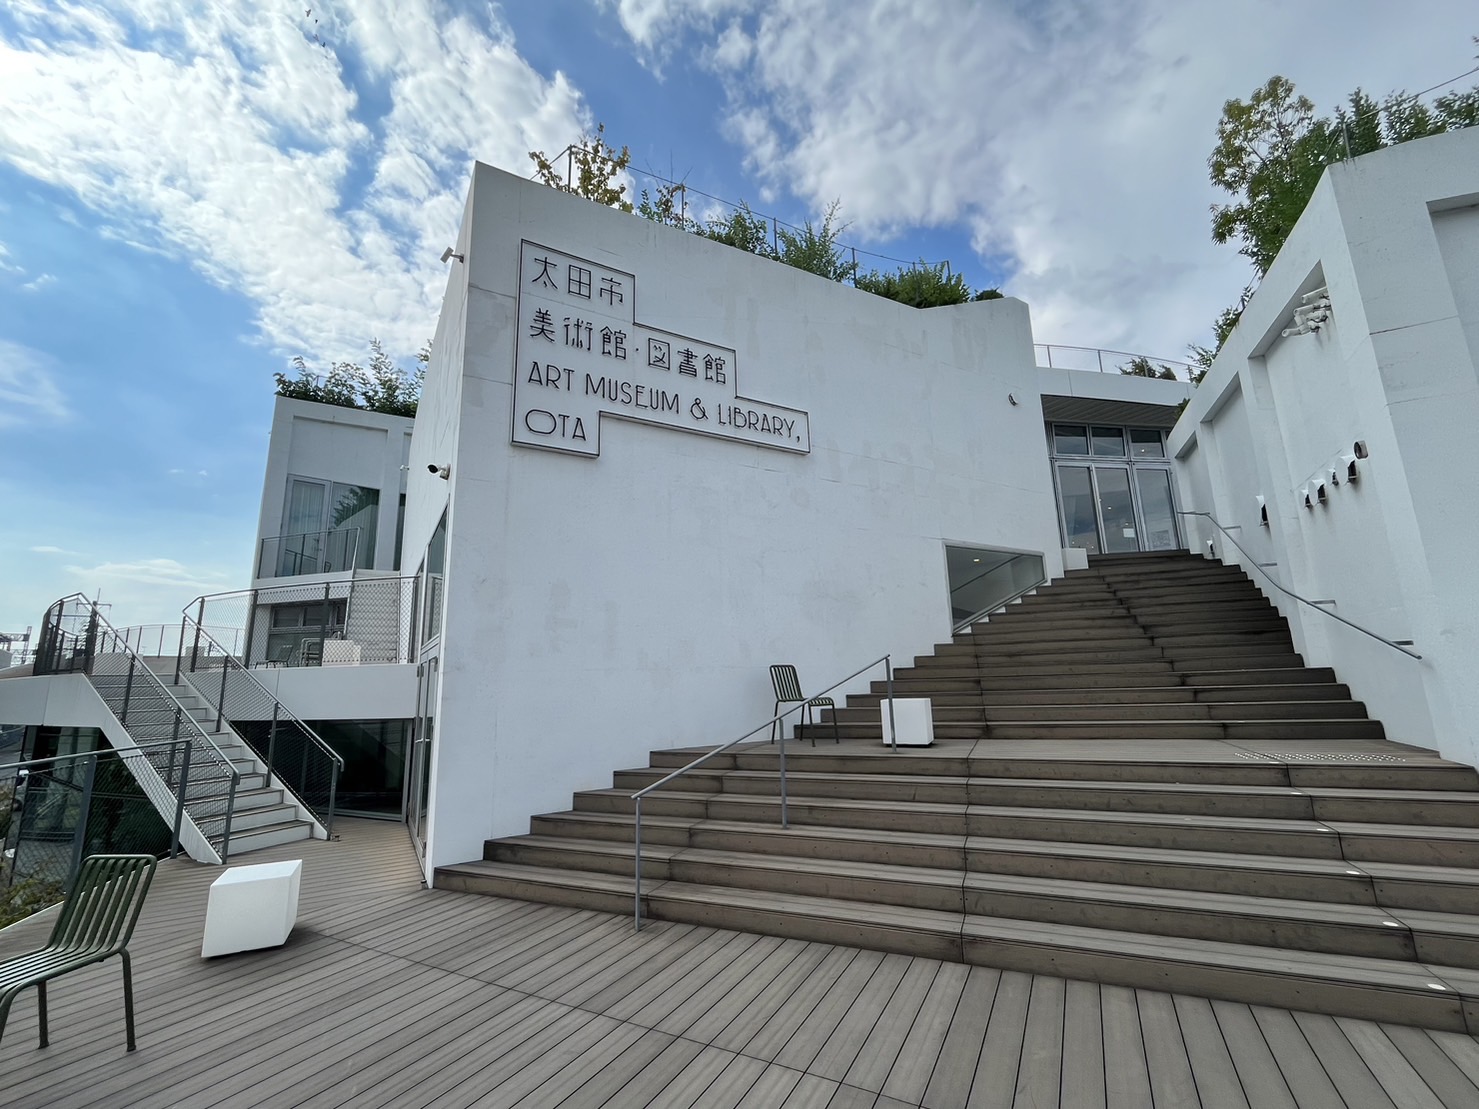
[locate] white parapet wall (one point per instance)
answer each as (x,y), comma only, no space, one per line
(1384,264)
(673,463)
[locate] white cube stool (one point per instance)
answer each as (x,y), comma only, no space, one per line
(914,721)
(251,907)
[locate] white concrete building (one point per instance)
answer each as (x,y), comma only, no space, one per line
(1328,437)
(669,463)
(647,465)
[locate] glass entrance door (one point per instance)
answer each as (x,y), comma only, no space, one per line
(1156,510)
(418,776)
(1116,509)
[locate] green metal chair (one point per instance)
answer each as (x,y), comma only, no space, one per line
(787,687)
(96,923)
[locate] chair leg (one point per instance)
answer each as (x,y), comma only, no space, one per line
(774,724)
(41,1010)
(811,724)
(5,999)
(835,738)
(128,999)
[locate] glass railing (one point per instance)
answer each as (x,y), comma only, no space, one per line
(311,552)
(982,580)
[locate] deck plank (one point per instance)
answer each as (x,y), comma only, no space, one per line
(1212,1067)
(1258,1071)
(1083,1048)
(1126,1073)
(995,1083)
(388,996)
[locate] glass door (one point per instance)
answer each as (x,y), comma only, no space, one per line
(1116,509)
(418,775)
(1157,511)
(1080,520)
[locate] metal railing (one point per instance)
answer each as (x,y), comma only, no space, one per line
(163,640)
(1262,568)
(1109,361)
(77,639)
(293,752)
(985,591)
(888,671)
(342,621)
(66,807)
(309,552)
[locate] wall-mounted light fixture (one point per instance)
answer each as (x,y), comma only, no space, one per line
(450,253)
(1312,314)
(1359,449)
(443,472)
(1262,510)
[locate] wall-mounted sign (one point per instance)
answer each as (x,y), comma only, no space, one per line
(582,354)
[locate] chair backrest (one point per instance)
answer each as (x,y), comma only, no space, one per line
(787,685)
(283,652)
(100,912)
(312,650)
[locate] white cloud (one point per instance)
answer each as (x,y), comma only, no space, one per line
(152,572)
(48,549)
(226,135)
(40,282)
(28,393)
(7,266)
(1068,138)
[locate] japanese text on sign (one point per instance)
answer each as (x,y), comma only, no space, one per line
(581,354)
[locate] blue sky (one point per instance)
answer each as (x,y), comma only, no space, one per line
(190,195)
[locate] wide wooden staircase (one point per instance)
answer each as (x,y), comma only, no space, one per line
(1136,780)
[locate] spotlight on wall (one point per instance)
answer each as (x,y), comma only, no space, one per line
(1012,399)
(443,472)
(1320,492)
(1359,447)
(450,253)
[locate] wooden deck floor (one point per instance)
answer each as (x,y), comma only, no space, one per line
(391,995)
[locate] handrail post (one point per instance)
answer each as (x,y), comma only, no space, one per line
(637,855)
(221,704)
(128,689)
(333,791)
(785,822)
(79,840)
(323,626)
(195,650)
(180,650)
(183,787)
(251,621)
(272,737)
(888,674)
(230,809)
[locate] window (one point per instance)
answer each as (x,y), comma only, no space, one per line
(1146,442)
(436,563)
(1070,439)
(327,526)
(1109,442)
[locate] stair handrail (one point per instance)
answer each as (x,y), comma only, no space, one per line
(1395,644)
(48,645)
(888,670)
(960,625)
(280,713)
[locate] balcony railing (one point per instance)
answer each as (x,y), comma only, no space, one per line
(1056,357)
(339,622)
(312,552)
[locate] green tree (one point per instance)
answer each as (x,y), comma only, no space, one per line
(593,170)
(381,387)
(921,286)
(1272,148)
(814,249)
(743,230)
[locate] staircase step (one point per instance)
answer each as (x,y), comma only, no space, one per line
(1378,989)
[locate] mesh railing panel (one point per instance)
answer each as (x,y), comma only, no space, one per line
(343,622)
(300,758)
(57,819)
(77,639)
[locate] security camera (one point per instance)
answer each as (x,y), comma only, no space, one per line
(443,472)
